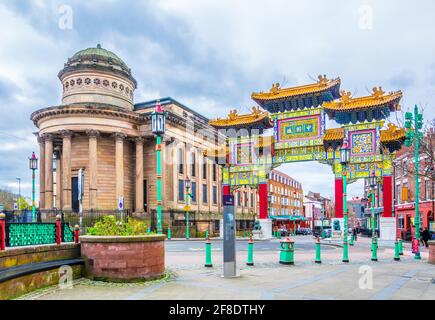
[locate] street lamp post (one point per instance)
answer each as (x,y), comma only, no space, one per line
(33,165)
(345,159)
(158,119)
(187,185)
(414,135)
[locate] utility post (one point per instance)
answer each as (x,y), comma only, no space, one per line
(414,125)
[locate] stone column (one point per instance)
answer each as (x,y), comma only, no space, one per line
(119,164)
(41,172)
(66,170)
(58,203)
(48,171)
(139,203)
(93,168)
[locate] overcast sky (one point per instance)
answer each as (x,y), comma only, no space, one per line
(211,55)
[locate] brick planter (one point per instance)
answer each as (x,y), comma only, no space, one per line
(123,258)
(432,252)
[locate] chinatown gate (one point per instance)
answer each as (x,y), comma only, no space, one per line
(298,118)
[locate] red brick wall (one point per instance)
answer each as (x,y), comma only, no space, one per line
(124,260)
(432,252)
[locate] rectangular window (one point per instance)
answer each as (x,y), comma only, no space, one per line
(400,222)
(239,198)
(404,194)
(193,164)
(204,168)
(246,198)
(204,193)
(193,191)
(252,200)
(214,195)
(180,161)
(428,190)
(214,172)
(180,190)
(398,195)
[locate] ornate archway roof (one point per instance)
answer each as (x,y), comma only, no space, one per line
(376,106)
(257,119)
(300,96)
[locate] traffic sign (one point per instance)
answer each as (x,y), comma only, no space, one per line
(121,203)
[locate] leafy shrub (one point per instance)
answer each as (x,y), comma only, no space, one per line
(109,226)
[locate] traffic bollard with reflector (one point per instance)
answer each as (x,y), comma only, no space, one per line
(374,249)
(400,247)
(208,262)
(318,259)
(396,251)
(250,261)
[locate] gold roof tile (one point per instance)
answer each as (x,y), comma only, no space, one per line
(235,120)
(378,98)
(277,92)
(392,134)
(334,134)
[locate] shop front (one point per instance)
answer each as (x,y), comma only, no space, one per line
(405,219)
(289,223)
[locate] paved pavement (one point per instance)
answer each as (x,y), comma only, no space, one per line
(189,279)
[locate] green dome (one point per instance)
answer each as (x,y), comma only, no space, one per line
(98,52)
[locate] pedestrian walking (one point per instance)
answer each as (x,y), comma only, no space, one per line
(425,237)
(355,233)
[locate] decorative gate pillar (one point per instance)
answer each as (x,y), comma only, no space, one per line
(262,194)
(338,197)
(388,199)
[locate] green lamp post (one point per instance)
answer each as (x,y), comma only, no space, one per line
(414,125)
(373,184)
(158,119)
(345,159)
(187,185)
(33,165)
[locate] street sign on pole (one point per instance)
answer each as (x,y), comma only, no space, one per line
(229,237)
(121,205)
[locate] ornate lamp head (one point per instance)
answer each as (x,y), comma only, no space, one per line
(158,120)
(187,184)
(345,153)
(33,162)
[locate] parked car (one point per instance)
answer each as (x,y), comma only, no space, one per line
(304,231)
(284,232)
(367,232)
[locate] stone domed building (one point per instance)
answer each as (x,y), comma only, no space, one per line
(99,129)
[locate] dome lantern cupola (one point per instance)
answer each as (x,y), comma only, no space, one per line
(97,75)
